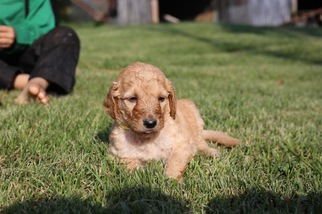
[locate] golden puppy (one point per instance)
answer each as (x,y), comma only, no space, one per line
(150,124)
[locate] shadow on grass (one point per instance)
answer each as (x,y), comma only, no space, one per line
(103,135)
(288,31)
(129,200)
(253,48)
(145,200)
(263,201)
(54,205)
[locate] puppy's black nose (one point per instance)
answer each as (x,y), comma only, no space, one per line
(150,123)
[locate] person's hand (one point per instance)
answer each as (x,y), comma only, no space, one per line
(7,36)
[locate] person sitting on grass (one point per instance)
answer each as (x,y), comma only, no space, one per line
(36,56)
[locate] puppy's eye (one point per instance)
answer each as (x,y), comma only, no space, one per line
(132,99)
(161,99)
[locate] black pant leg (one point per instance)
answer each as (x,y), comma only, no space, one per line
(54,57)
(8,70)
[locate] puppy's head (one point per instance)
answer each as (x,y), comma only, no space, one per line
(141,98)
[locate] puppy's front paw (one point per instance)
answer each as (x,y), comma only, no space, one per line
(175,173)
(131,164)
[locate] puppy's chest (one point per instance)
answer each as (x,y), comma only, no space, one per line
(125,146)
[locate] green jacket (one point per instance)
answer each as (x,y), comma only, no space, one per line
(30,19)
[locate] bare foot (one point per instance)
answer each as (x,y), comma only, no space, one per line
(21,81)
(35,89)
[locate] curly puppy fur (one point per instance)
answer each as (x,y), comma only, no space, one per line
(150,124)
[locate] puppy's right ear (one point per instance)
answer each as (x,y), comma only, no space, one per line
(110,101)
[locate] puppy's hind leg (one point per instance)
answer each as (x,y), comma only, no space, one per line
(207,150)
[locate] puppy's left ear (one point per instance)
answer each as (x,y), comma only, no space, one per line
(110,101)
(172,99)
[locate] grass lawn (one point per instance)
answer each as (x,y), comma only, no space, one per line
(261,85)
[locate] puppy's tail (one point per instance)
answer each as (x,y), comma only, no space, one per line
(220,137)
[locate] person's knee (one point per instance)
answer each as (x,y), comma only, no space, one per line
(65,35)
